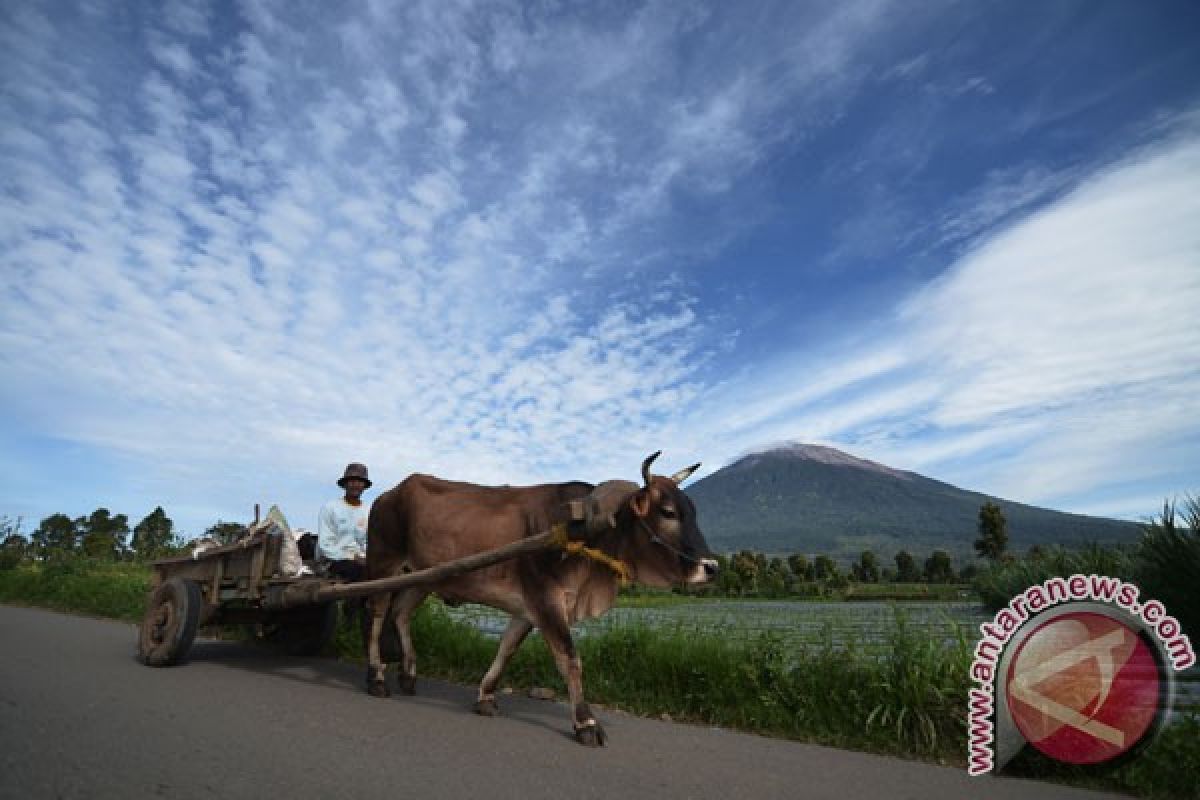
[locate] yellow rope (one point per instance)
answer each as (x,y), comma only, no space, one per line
(616,565)
(559,536)
(560,540)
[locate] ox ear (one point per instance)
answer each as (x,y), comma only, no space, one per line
(684,474)
(640,503)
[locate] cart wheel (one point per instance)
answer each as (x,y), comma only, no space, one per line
(169,626)
(304,631)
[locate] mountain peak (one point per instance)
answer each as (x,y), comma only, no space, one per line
(806,498)
(821,454)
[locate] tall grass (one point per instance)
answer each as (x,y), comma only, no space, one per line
(999,584)
(1168,566)
(103,588)
(1165,564)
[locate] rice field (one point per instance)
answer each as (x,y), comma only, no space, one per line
(863,625)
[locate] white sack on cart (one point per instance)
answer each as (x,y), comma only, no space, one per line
(290,563)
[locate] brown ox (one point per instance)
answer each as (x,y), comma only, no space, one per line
(425,521)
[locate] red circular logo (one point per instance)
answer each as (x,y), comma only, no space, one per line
(1084,688)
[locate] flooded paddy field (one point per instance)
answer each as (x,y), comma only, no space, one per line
(860,624)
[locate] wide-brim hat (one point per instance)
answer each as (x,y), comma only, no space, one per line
(355,470)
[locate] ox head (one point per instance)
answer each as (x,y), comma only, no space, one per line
(660,539)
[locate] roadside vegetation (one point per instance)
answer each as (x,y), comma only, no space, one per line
(1164,564)
(79,584)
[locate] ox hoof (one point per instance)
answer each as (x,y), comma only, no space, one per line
(407,685)
(487,708)
(591,735)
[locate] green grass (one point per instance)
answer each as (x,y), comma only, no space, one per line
(105,589)
(906,699)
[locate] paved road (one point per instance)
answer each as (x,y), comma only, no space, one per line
(80,718)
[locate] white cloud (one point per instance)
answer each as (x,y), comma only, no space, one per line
(188,17)
(173,55)
(236,283)
(1002,194)
(908,68)
(1085,297)
(773,398)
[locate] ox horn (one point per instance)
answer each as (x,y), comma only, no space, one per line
(685,473)
(646,467)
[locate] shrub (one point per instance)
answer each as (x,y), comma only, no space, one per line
(1168,562)
(999,583)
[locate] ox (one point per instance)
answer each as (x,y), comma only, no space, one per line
(425,521)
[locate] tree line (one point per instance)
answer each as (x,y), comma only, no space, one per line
(749,573)
(102,536)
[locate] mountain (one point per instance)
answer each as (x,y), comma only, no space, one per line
(802,498)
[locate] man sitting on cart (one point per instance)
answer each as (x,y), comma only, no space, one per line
(342,527)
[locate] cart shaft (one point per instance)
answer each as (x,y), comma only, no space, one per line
(317,592)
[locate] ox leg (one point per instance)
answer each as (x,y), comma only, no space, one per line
(518,628)
(376,678)
(557,634)
(405,606)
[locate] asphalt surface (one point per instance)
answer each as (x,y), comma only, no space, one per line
(80,718)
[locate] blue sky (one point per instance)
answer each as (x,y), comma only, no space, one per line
(244,243)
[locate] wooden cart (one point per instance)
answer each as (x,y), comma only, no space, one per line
(242,584)
(230,585)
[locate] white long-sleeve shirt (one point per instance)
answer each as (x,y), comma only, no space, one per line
(342,530)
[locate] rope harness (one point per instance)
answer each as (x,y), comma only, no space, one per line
(563,542)
(569,546)
(654,537)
